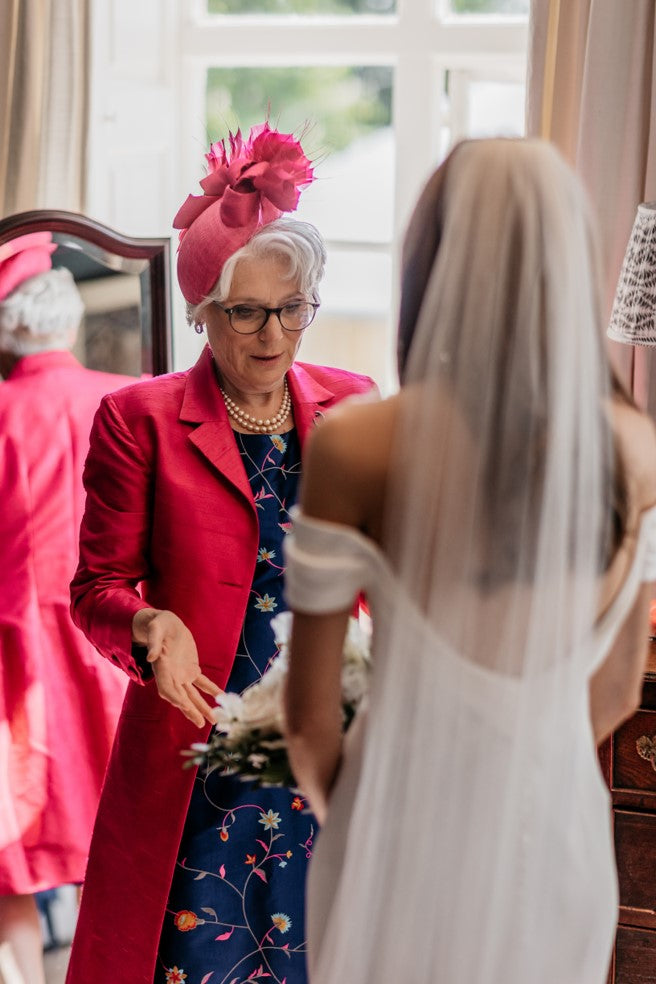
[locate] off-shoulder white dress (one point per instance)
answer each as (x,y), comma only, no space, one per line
(417,879)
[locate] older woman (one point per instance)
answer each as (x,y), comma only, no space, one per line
(58,708)
(190,479)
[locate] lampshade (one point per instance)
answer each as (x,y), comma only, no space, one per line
(633,318)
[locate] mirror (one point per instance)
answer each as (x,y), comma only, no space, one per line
(124,283)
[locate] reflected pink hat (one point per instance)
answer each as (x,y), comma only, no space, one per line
(247,186)
(24,257)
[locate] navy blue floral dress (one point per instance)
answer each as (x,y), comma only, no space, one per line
(235,909)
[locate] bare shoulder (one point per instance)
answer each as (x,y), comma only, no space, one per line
(355,428)
(635,440)
(347,461)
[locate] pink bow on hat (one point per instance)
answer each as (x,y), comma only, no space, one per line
(249,185)
(24,257)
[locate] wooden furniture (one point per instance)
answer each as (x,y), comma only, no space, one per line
(628,761)
(88,248)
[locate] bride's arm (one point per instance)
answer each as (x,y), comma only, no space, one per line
(313,704)
(616,687)
(332,490)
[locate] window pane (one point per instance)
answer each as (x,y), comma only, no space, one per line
(482,107)
(301,6)
(496,108)
(343,116)
(352,328)
(357,282)
(489,6)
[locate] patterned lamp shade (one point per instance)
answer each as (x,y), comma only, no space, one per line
(633,318)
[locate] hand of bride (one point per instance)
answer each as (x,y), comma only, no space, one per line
(174,658)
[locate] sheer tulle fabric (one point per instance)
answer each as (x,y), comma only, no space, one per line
(477,847)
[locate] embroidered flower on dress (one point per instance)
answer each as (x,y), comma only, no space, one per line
(264,555)
(266,603)
(270,820)
(278,443)
(175,975)
(185,920)
(250,859)
(260,496)
(281,921)
(297,803)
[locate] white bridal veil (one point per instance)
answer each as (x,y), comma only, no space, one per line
(481,817)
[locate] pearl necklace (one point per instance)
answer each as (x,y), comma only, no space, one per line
(269,425)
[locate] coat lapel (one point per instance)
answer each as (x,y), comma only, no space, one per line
(213,434)
(203,406)
(309,399)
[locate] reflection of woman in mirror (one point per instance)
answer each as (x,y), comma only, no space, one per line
(58,707)
(190,479)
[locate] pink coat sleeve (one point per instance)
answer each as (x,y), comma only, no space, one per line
(114,535)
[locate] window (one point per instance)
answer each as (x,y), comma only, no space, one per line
(378,90)
(493,7)
(340,7)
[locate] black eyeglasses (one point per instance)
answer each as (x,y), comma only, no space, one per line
(248,319)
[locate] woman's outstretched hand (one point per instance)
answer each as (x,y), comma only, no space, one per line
(174,658)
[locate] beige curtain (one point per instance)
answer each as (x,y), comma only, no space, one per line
(592,90)
(43,103)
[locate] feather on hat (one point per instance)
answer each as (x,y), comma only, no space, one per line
(248,185)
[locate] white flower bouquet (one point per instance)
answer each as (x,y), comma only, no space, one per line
(247,740)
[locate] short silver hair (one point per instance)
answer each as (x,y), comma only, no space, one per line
(299,243)
(43,312)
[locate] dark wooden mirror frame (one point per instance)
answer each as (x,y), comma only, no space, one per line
(156,252)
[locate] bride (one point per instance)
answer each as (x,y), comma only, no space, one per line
(499,513)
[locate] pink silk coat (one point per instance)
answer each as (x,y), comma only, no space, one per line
(58,706)
(169,506)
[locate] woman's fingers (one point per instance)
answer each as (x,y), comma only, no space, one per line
(184,695)
(170,679)
(189,707)
(181,696)
(200,705)
(188,700)
(174,658)
(207,686)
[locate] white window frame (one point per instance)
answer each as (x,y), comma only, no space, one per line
(421,41)
(418,41)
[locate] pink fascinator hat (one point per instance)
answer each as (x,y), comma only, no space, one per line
(24,257)
(248,185)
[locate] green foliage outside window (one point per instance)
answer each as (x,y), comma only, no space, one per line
(300,6)
(338,104)
(490,6)
(356,6)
